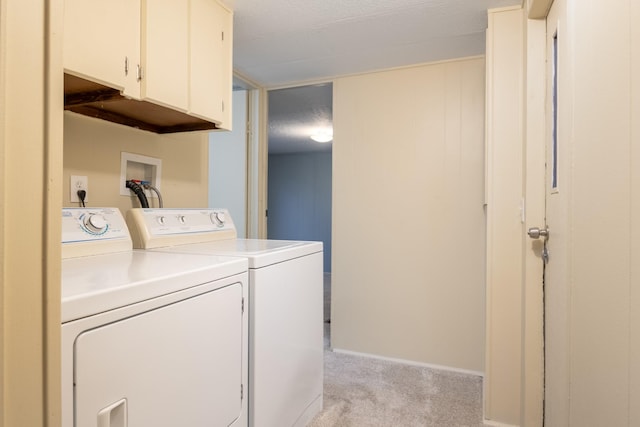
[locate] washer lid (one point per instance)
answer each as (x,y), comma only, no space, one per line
(260,252)
(95,284)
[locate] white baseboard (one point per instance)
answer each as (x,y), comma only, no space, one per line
(411,362)
(497,424)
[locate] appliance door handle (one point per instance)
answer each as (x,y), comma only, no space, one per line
(114,415)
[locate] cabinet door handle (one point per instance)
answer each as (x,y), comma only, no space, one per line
(139,75)
(126,66)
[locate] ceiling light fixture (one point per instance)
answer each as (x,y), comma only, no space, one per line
(322,137)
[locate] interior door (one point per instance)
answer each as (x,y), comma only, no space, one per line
(556,283)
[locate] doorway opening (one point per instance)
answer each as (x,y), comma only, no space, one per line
(300,168)
(234,162)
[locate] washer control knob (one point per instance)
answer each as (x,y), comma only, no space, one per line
(161,220)
(182,219)
(95,223)
(218,218)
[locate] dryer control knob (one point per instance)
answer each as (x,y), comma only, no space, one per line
(218,218)
(161,220)
(182,219)
(95,224)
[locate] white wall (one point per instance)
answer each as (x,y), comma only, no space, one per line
(92,147)
(408,220)
(228,166)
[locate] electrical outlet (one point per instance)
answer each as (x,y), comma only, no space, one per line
(78,183)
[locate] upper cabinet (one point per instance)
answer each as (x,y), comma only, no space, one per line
(165,52)
(102,42)
(211,35)
(174,54)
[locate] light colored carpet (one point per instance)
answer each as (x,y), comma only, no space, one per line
(365,392)
(360,391)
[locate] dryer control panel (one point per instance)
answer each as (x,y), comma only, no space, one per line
(93,231)
(154,228)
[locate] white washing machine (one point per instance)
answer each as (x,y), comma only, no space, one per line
(149,338)
(285,306)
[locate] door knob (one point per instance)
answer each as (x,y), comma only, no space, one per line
(536,233)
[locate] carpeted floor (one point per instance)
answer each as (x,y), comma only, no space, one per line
(360,391)
(366,392)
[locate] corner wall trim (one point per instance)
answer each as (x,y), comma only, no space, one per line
(538,9)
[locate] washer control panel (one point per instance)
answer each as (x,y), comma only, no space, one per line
(152,228)
(93,231)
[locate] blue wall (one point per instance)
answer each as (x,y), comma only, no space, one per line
(299,199)
(228,166)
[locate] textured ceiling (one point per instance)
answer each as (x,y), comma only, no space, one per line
(279,43)
(295,114)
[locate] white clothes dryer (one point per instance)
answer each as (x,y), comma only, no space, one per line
(285,306)
(149,338)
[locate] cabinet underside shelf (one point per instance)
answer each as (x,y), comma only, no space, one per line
(95,100)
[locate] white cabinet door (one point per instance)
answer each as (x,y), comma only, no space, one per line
(210,62)
(165,53)
(226,64)
(102,42)
(174,53)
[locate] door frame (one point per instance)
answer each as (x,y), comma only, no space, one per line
(532,397)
